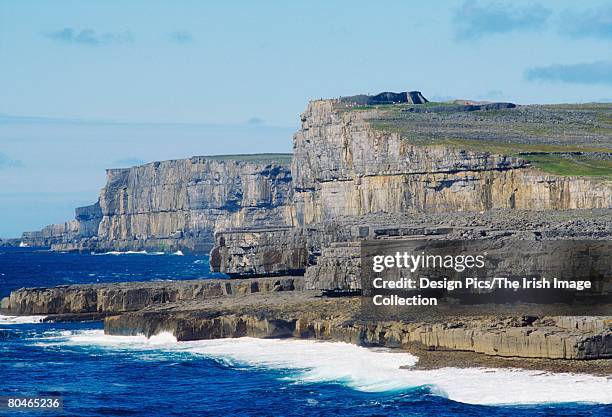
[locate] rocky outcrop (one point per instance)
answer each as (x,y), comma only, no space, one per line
(280,307)
(543,339)
(123,297)
(410,97)
(337,263)
(59,233)
(178,204)
(89,218)
(337,267)
(257,252)
(9,242)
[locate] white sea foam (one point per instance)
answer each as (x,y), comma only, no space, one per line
(20,319)
(178,253)
(129,252)
(372,370)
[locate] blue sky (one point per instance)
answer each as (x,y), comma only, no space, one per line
(96,84)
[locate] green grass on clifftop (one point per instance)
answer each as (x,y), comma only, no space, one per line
(573,165)
(283,158)
(545,135)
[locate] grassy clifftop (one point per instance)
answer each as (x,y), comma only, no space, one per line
(566,139)
(281,158)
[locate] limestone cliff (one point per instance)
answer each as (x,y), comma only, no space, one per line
(355,161)
(52,234)
(363,168)
(343,166)
(177,204)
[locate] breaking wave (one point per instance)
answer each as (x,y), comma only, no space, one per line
(129,252)
(365,369)
(20,319)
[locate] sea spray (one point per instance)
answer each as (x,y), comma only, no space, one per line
(129,252)
(9,320)
(368,370)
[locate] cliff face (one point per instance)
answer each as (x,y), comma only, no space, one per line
(360,164)
(70,233)
(354,164)
(88,219)
(177,204)
(342,166)
(53,234)
(184,201)
(364,168)
(547,338)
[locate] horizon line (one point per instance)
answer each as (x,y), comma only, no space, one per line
(23,119)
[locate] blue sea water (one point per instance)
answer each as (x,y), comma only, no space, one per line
(36,267)
(99,375)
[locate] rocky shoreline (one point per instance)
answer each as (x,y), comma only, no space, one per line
(281,308)
(434,359)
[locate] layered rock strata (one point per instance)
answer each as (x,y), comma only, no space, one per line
(342,166)
(260,251)
(338,264)
(123,297)
(355,159)
(177,204)
(52,234)
(302,315)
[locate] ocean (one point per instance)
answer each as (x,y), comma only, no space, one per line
(100,375)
